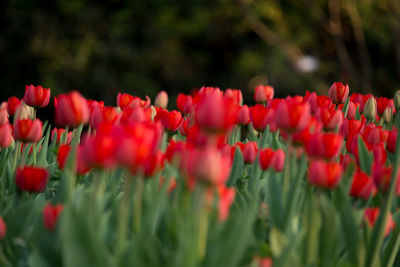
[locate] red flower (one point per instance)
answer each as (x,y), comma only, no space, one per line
(137,114)
(330,118)
(249,151)
(27,130)
(236,95)
(12,105)
(58,133)
(3,115)
(270,158)
(50,215)
(324,145)
(5,135)
(339,92)
(324,174)
(169,119)
(36,96)
(102,115)
(263,93)
(62,156)
(3,228)
(127,100)
(372,214)
(362,186)
(383,103)
(32,179)
(72,110)
(262,116)
(382,176)
(244,115)
(184,103)
(291,115)
(392,141)
(226,196)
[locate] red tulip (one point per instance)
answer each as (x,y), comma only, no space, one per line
(31,179)
(324,174)
(262,116)
(102,115)
(339,92)
(135,115)
(236,95)
(263,93)
(27,130)
(226,197)
(184,127)
(59,132)
(72,110)
(324,145)
(12,105)
(362,186)
(292,116)
(330,118)
(371,215)
(249,151)
(392,141)
(373,135)
(5,135)
(154,165)
(36,96)
(383,103)
(269,158)
(243,115)
(50,215)
(169,119)
(161,100)
(123,100)
(3,115)
(62,156)
(184,103)
(3,228)
(382,176)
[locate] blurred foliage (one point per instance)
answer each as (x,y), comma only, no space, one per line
(141,47)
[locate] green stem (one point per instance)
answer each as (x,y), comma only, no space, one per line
(16,154)
(138,203)
(123,217)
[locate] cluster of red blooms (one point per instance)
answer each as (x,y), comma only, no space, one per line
(130,136)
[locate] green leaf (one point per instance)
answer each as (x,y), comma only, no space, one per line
(345,108)
(237,167)
(365,157)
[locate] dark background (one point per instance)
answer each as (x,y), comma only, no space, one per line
(141,47)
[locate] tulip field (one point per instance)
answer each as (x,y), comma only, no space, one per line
(307,180)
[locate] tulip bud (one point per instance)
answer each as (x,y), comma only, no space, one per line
(24,112)
(249,151)
(50,215)
(392,140)
(382,176)
(269,158)
(3,228)
(12,105)
(5,135)
(31,179)
(362,186)
(397,99)
(387,115)
(3,116)
(244,115)
(263,93)
(370,108)
(72,110)
(338,92)
(161,100)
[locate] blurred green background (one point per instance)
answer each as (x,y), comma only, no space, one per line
(141,47)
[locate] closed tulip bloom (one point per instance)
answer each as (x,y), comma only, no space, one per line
(31,179)
(382,176)
(234,94)
(27,130)
(50,215)
(184,103)
(135,115)
(169,119)
(370,108)
(330,118)
(57,133)
(396,99)
(269,158)
(102,115)
(161,100)
(371,215)
(226,196)
(383,103)
(392,140)
(292,116)
(263,93)
(36,96)
(249,151)
(339,92)
(5,135)
(3,116)
(324,145)
(362,186)
(12,105)
(244,115)
(261,116)
(324,174)
(123,100)
(3,228)
(72,110)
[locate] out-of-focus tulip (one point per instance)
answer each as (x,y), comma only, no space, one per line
(371,215)
(184,103)
(392,140)
(169,119)
(226,196)
(324,174)
(12,105)
(324,145)
(263,93)
(3,116)
(249,151)
(269,158)
(161,100)
(27,130)
(5,135)
(330,118)
(71,110)
(135,115)
(36,96)
(50,215)
(62,156)
(24,112)
(3,228)
(102,115)
(262,116)
(362,186)
(292,116)
(397,100)
(387,115)
(339,92)
(58,133)
(31,179)
(382,176)
(383,103)
(244,115)
(236,95)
